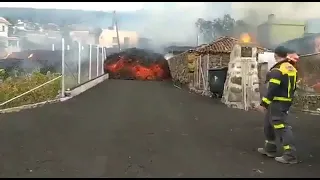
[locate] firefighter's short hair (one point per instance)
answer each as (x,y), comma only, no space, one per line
(281,51)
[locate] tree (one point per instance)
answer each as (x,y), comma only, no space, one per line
(224,26)
(216,28)
(206,29)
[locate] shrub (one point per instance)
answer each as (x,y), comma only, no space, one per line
(14,86)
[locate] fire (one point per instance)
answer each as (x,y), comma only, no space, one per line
(245,38)
(134,70)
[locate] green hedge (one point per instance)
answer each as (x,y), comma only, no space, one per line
(11,87)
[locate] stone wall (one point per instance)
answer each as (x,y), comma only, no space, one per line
(178,66)
(262,73)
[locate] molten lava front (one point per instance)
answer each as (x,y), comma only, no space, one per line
(137,64)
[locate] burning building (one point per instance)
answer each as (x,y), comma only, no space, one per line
(137,64)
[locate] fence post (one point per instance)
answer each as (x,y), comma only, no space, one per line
(199,65)
(62,69)
(97,60)
(79,62)
(90,59)
(102,59)
(207,71)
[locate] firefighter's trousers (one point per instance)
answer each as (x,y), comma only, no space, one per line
(276,127)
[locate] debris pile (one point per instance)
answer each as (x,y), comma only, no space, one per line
(137,64)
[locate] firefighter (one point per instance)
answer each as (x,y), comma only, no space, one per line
(276,103)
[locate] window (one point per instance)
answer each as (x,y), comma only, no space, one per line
(2,28)
(114,40)
(126,40)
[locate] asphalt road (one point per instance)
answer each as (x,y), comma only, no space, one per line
(146,129)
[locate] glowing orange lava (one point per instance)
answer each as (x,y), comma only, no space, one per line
(135,70)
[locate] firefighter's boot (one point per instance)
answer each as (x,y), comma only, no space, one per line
(270,149)
(289,156)
(286,159)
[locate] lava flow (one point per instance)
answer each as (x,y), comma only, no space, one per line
(137,64)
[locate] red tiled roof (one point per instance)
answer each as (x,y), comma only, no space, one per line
(221,45)
(3,20)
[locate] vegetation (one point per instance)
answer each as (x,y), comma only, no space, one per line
(225,26)
(14,86)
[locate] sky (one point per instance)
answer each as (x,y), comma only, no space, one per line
(103,6)
(95,6)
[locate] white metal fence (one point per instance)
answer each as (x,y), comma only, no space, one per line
(79,63)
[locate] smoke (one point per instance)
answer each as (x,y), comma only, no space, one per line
(257,12)
(173,23)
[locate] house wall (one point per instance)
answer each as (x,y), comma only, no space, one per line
(3,35)
(108,38)
(276,31)
(4,30)
(280,33)
(82,36)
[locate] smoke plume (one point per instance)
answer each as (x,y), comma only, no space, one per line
(257,12)
(173,23)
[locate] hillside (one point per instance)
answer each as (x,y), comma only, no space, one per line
(63,17)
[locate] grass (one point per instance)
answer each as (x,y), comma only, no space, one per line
(14,86)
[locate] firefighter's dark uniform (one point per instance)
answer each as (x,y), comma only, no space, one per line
(281,79)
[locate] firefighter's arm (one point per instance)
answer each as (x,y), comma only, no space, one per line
(274,82)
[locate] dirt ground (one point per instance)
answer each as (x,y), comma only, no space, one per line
(146,129)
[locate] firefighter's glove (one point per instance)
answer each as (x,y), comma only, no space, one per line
(261,109)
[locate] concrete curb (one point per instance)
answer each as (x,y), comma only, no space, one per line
(28,106)
(84,87)
(74,92)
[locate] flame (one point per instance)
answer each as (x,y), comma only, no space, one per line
(135,70)
(245,38)
(30,56)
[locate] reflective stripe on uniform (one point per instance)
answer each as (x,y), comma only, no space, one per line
(266,100)
(282,99)
(286,147)
(278,126)
(275,81)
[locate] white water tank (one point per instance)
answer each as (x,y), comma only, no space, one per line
(267,57)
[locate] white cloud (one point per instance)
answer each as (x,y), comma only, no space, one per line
(95,6)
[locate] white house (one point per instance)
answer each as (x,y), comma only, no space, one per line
(4,27)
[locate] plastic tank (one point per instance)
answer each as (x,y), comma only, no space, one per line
(217,78)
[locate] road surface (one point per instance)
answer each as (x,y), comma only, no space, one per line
(146,129)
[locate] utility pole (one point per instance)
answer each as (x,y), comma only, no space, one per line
(115,23)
